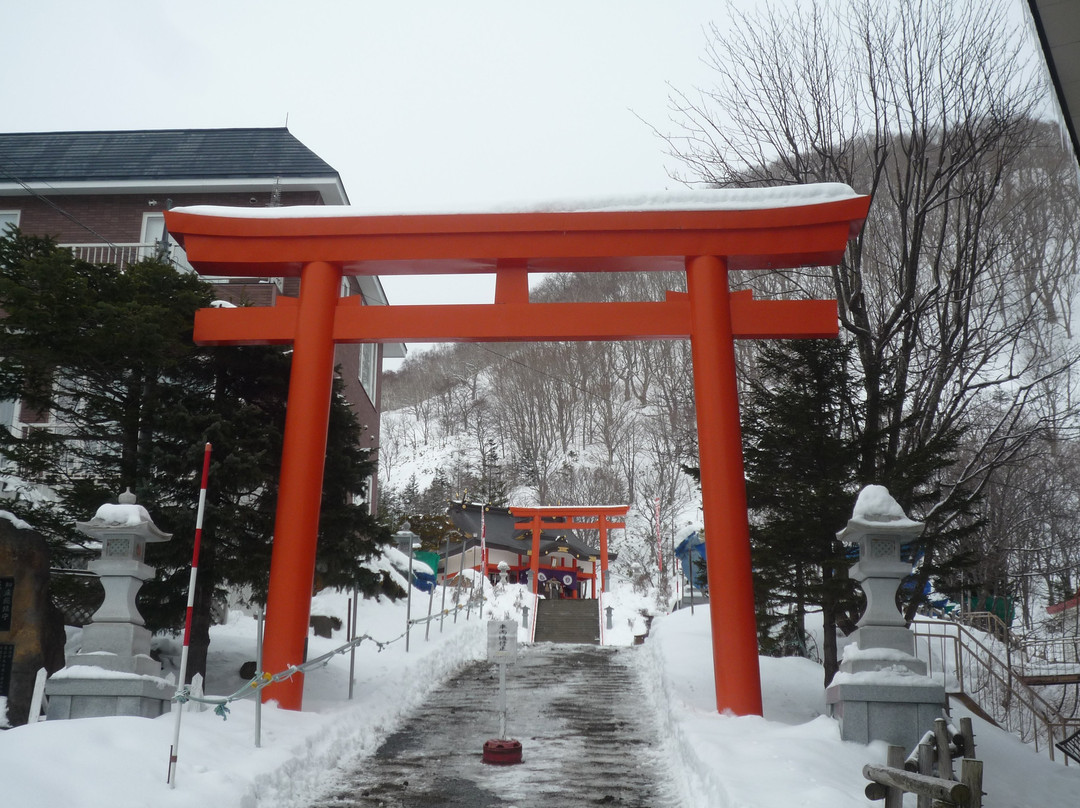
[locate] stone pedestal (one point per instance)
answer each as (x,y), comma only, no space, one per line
(82,692)
(882,691)
(113,673)
(869,708)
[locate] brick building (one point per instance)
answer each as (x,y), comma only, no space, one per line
(103,194)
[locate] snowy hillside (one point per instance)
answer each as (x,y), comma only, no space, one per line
(570,424)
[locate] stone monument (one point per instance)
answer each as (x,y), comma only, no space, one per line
(31,629)
(113,673)
(882,691)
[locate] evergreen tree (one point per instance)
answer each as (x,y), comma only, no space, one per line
(493,486)
(93,348)
(801,462)
(109,354)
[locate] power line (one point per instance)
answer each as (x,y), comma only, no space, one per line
(42,198)
(581,390)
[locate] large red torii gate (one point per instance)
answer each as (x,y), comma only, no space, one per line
(707,232)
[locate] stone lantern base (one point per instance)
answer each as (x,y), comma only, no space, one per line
(86,692)
(872,707)
(121,647)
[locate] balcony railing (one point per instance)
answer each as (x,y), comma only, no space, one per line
(127,253)
(130,253)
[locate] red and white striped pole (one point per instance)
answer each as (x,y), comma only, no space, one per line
(483,557)
(178,708)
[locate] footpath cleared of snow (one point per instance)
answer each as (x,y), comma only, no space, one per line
(588,738)
(791,756)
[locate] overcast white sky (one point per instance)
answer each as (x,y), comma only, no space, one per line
(466,100)
(470,100)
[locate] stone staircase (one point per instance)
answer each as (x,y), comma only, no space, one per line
(567,621)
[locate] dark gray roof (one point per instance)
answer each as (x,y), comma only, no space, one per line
(173,154)
(1057,23)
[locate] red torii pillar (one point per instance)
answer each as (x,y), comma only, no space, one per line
(595,517)
(319,245)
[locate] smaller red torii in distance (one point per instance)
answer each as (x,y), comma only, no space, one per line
(593,517)
(716,232)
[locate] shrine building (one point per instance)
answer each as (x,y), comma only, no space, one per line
(568,566)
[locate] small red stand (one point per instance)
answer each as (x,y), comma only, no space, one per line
(502,752)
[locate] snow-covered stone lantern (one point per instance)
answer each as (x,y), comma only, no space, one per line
(124,530)
(880,527)
(881,691)
(113,673)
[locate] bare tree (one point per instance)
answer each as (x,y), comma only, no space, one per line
(954,288)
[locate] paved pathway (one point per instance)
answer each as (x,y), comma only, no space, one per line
(588,738)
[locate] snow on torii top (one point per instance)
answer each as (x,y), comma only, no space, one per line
(726,199)
(753,228)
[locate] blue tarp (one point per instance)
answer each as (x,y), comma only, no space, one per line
(424,581)
(692,547)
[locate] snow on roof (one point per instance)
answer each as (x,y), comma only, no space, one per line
(121,515)
(785,196)
(875,505)
(19,523)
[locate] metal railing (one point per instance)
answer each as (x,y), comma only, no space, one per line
(119,254)
(129,253)
(975,666)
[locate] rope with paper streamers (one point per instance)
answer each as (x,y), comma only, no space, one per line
(184,694)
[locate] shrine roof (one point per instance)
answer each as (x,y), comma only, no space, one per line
(501,532)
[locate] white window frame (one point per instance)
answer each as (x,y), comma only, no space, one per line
(369,367)
(8,217)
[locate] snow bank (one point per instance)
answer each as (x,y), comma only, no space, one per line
(19,523)
(792,755)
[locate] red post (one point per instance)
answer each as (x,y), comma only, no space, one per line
(602,524)
(534,562)
(292,562)
(723,489)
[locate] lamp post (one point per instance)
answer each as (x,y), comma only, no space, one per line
(407,540)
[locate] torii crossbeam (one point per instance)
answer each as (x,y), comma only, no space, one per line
(707,232)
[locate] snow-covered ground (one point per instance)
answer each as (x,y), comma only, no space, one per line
(792,755)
